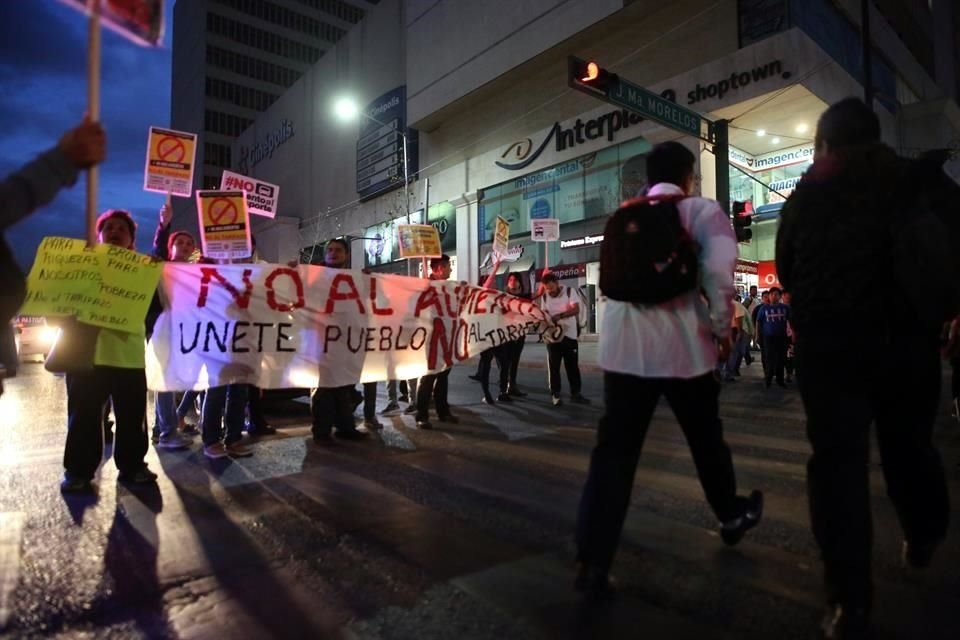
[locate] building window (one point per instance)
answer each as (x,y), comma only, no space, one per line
(259,39)
(216,154)
(251,67)
(246,97)
(224,123)
(211,182)
(336,8)
(283,17)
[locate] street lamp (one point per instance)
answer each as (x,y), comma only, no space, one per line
(346,109)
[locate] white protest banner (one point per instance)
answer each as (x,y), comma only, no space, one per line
(544,229)
(262,196)
(278,327)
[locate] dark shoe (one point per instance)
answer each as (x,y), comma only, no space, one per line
(404,398)
(578,398)
(173,441)
(781,384)
(257,430)
(476,377)
(154,437)
(918,555)
(424,424)
(76,486)
(504,397)
(516,393)
(488,399)
(449,418)
(351,434)
(845,623)
(392,407)
(322,439)
(596,585)
(410,409)
(143,475)
(733,531)
(238,449)
(768,383)
(189,429)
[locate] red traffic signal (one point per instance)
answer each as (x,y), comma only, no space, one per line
(742,218)
(588,74)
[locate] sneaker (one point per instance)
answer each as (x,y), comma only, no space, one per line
(392,407)
(76,486)
(188,429)
(238,449)
(917,555)
(579,399)
(143,475)
(476,377)
(372,424)
(257,430)
(404,398)
(410,409)
(504,397)
(424,424)
(215,451)
(351,434)
(733,531)
(556,401)
(449,418)
(488,399)
(596,585)
(173,441)
(845,622)
(516,393)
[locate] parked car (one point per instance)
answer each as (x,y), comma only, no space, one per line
(34,337)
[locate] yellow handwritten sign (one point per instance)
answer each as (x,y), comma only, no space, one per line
(105,286)
(224,224)
(171,156)
(501,236)
(418,241)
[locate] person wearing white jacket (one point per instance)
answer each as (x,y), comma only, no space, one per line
(669,349)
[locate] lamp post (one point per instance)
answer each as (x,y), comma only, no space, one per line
(346,109)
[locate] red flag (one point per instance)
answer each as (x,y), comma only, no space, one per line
(138,20)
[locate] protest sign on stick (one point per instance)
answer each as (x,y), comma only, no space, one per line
(171,156)
(224,224)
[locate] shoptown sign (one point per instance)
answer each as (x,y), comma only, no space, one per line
(521,154)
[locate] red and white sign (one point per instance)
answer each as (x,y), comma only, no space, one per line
(262,197)
(279,327)
(138,20)
(767,270)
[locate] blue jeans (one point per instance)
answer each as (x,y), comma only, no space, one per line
(225,404)
(165,420)
(737,354)
(187,403)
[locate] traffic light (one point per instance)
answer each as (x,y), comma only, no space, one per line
(742,218)
(588,74)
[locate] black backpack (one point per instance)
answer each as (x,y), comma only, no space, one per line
(646,255)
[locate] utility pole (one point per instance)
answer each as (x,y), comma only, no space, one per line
(721,155)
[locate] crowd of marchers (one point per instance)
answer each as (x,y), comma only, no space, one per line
(672,328)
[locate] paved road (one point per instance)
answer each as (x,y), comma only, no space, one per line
(463,532)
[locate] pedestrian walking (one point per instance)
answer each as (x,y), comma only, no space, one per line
(863,219)
(514,348)
(659,337)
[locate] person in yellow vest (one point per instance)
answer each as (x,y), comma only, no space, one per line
(118,373)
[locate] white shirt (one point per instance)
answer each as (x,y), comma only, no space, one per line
(739,311)
(564,301)
(675,339)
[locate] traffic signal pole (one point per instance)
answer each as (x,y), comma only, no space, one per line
(721,155)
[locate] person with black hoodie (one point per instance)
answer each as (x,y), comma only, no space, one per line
(842,228)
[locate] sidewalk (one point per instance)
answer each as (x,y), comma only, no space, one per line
(535,354)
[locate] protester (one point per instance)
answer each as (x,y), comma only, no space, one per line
(739,324)
(393,405)
(370,420)
(669,348)
(840,230)
(563,306)
(435,385)
(177,246)
(514,348)
(772,321)
(499,353)
(332,408)
(118,373)
(21,193)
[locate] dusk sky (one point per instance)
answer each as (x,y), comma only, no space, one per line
(43,70)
